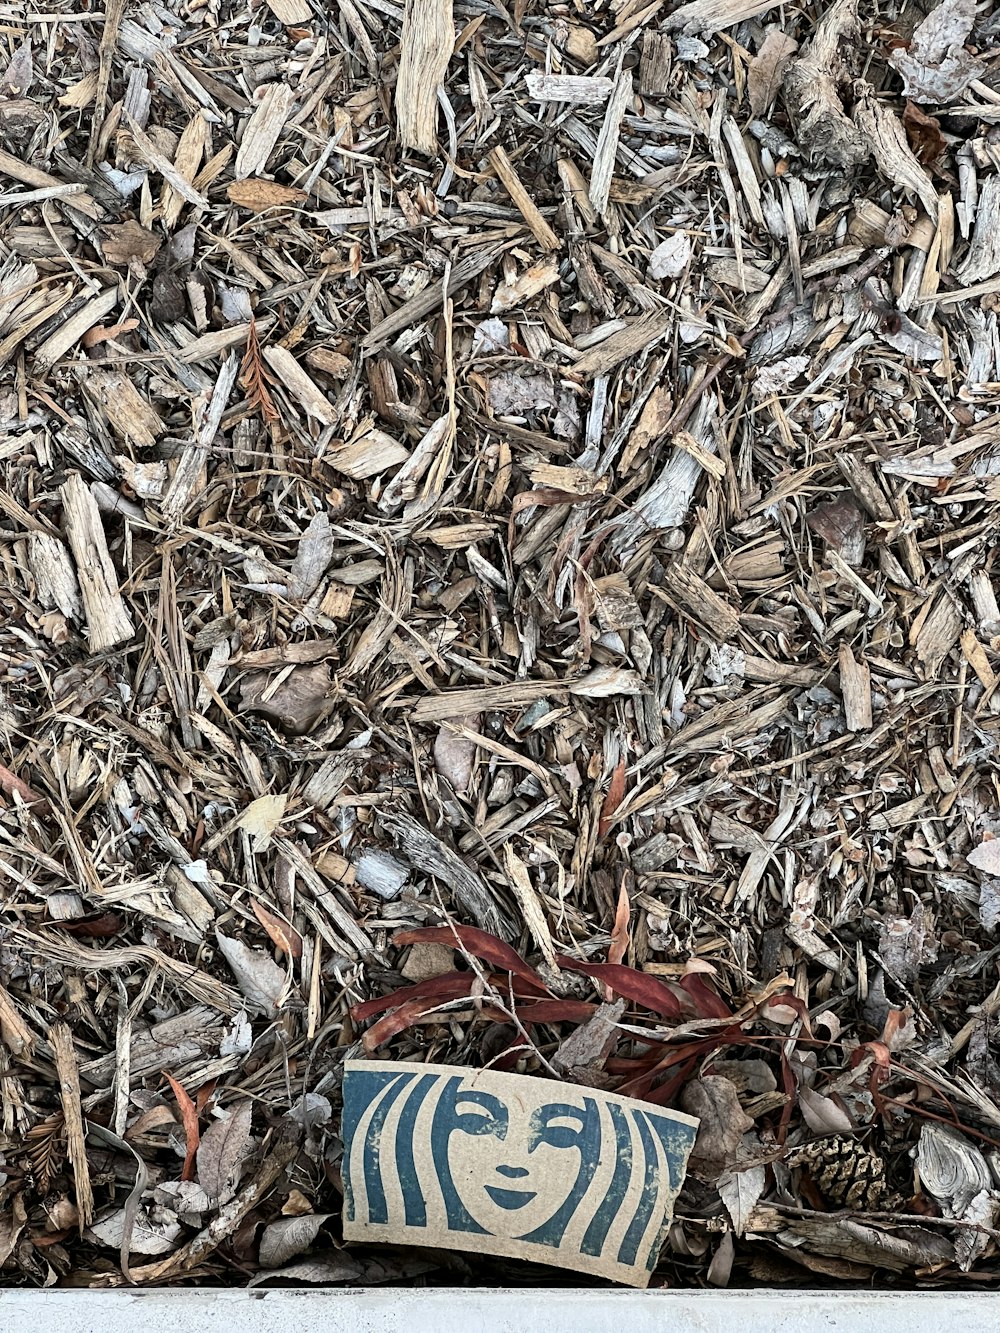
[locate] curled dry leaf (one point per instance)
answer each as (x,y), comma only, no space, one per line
(821,1114)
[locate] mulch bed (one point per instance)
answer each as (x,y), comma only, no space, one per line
(499,491)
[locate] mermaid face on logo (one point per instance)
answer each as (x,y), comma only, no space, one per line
(512,1196)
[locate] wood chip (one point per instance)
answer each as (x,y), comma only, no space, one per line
(108,621)
(426,43)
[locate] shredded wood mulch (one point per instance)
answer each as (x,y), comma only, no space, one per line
(498,559)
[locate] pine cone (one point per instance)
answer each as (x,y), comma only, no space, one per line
(844,1171)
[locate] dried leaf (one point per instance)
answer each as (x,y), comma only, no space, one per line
(767,69)
(924,134)
(146,1236)
(15,786)
(260,979)
(621,936)
(986,857)
(454,754)
(261,818)
(283,935)
(127,242)
(289,1236)
(616,793)
(222,1154)
(714,1101)
(298,701)
(649,991)
(312,559)
(822,1115)
(189,1118)
(479,943)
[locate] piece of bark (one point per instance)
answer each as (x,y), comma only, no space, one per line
(428,853)
(61,1039)
(704,604)
(983,257)
(151,155)
(856,689)
(57,344)
(292,377)
(55,578)
(522,200)
(116,398)
(823,128)
(883,131)
(263,129)
(607,142)
(528,283)
(290,13)
(14,1032)
(426,45)
(190,151)
(430,299)
(936,66)
(108,621)
(532,912)
(863,483)
(367,453)
(585,90)
(208,414)
(627,342)
(41,180)
(655,63)
(582,1056)
(935,631)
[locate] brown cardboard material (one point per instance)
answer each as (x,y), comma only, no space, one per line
(469,1159)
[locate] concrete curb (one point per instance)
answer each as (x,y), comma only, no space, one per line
(384,1310)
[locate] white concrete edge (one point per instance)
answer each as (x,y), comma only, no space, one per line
(491,1310)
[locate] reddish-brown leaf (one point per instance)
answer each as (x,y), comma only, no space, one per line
(93,927)
(189,1118)
(15,786)
(399,1020)
(924,134)
(639,987)
(556,1011)
(616,791)
(479,943)
(704,998)
(283,935)
(447,986)
(255,377)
